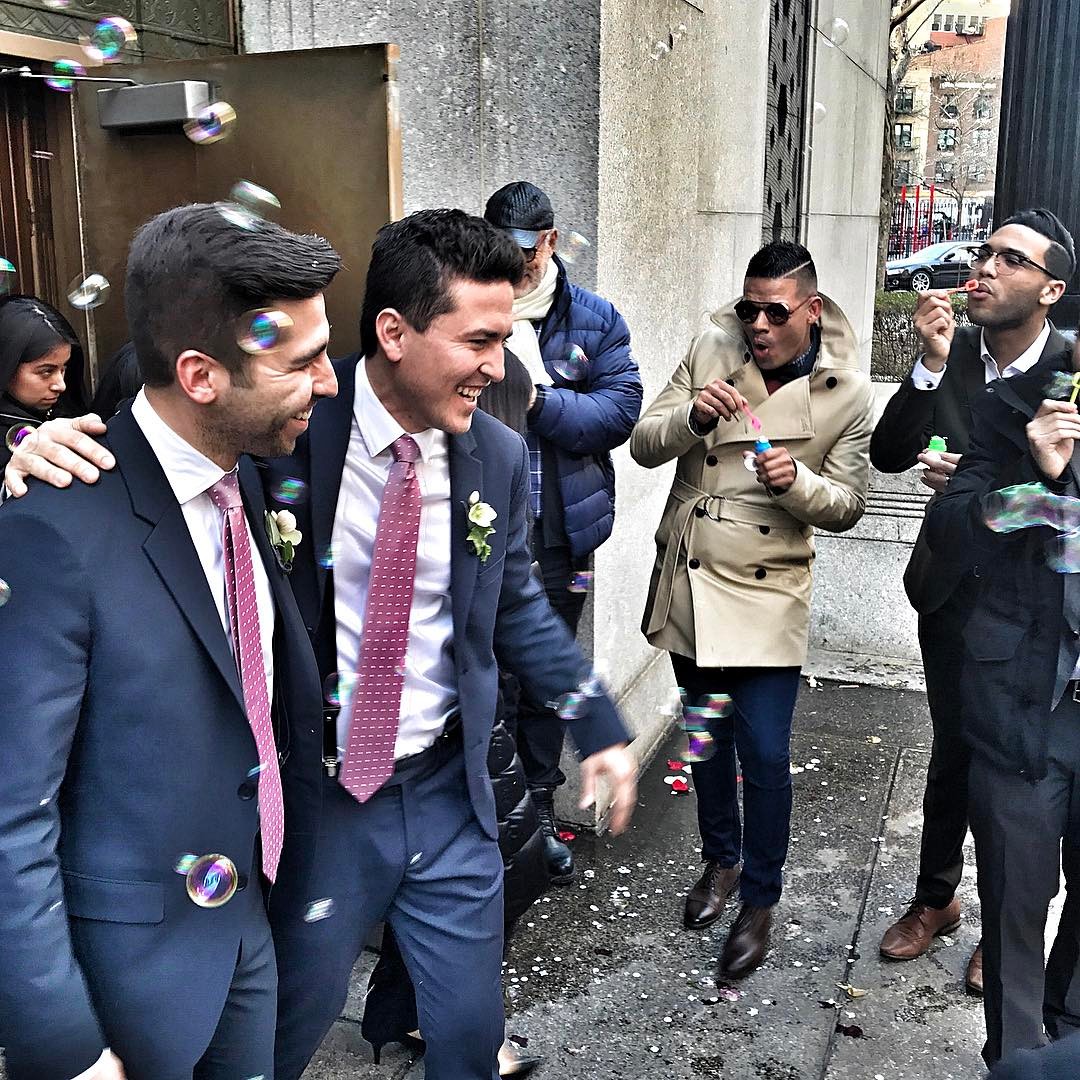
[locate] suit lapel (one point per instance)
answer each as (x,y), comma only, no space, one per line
(255,508)
(972,369)
(466,476)
(328,443)
(169,547)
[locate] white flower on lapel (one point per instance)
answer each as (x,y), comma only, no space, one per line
(480,516)
(284,536)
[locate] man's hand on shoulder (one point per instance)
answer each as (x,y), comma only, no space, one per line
(936,326)
(58,451)
(618,767)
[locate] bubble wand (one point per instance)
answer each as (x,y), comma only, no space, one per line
(1075,388)
(969,286)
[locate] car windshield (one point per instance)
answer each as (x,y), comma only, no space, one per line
(929,254)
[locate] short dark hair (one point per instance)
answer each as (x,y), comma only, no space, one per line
(415,261)
(192,273)
(782,258)
(1061,258)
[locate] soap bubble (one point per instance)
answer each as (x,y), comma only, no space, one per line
(716,705)
(318,910)
(820,112)
(570,706)
(290,491)
(1026,506)
(212,881)
(212,124)
(338,687)
(700,746)
(5,592)
(60,75)
(1059,385)
(574,365)
(574,248)
(838,32)
(580,582)
(249,204)
(56,5)
(109,39)
(185,862)
(15,435)
(262,329)
(88,292)
(326,557)
(8,274)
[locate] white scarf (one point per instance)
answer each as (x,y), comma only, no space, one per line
(523,342)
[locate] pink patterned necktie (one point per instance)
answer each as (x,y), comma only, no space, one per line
(369,756)
(247,648)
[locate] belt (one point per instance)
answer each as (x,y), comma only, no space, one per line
(448,741)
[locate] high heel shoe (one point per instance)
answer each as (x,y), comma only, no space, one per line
(513,1061)
(411,1043)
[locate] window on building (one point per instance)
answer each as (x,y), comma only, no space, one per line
(905,99)
(936,25)
(946,139)
(980,141)
(902,173)
(902,135)
(976,172)
(984,107)
(944,171)
(950,110)
(948,23)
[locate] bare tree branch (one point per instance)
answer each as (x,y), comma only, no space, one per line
(906,12)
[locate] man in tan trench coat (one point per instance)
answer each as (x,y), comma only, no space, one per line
(730,593)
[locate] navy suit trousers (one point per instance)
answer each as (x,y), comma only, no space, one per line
(415,856)
(759,731)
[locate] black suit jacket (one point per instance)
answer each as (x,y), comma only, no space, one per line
(124,743)
(905,427)
(1015,631)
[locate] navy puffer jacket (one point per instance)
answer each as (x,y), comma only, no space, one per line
(580,422)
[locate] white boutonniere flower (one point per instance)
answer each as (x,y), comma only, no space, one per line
(480,515)
(284,536)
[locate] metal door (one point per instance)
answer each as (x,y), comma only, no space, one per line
(319,128)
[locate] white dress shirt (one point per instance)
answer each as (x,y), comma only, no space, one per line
(429,696)
(191,475)
(924,379)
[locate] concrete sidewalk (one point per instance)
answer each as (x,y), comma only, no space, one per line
(604,981)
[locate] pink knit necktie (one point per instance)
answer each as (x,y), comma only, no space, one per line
(369,756)
(247,648)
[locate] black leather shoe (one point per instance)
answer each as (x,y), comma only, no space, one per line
(560,859)
(705,901)
(514,1061)
(747,942)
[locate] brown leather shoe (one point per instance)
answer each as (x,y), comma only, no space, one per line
(705,901)
(973,979)
(747,942)
(910,936)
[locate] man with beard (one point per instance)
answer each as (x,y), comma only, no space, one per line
(1018,271)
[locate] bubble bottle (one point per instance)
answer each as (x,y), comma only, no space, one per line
(760,446)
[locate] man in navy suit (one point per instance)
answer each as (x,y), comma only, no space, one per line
(403,827)
(157,671)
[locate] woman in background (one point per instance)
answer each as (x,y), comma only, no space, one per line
(41,368)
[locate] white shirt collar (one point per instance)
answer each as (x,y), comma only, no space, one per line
(189,471)
(378,428)
(1024,362)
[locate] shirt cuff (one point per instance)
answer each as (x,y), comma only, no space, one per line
(89,1072)
(924,378)
(694,429)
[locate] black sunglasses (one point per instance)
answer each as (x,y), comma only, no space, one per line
(777,313)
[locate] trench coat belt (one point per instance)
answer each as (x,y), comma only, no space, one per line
(718,508)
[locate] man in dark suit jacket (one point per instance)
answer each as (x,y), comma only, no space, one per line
(1011,334)
(418,847)
(157,670)
(1021,698)
(421,851)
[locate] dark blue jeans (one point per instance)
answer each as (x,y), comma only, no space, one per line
(759,731)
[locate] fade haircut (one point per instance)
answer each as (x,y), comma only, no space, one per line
(416,261)
(192,274)
(781,259)
(1061,258)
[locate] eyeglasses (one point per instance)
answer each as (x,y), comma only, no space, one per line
(777,313)
(1008,261)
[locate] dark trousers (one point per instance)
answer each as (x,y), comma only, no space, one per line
(759,731)
(415,856)
(1019,828)
(945,801)
(243,1041)
(539,731)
